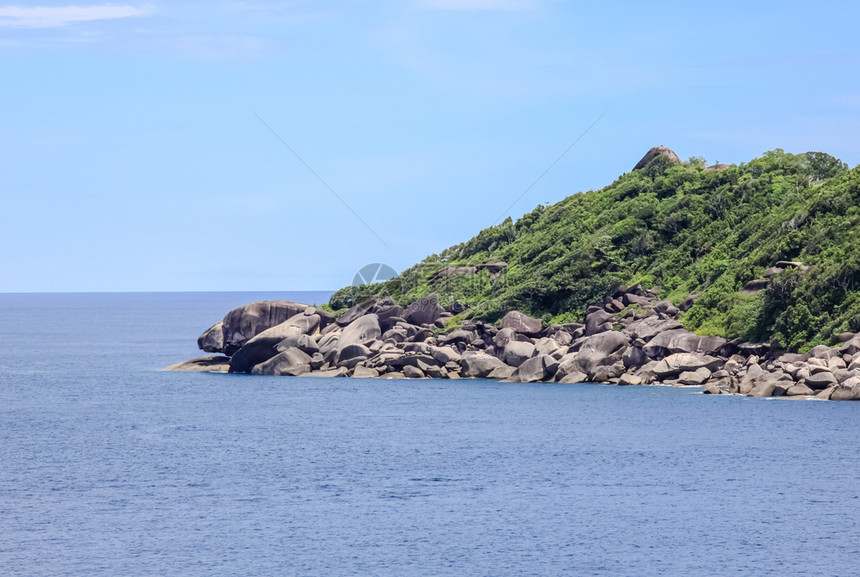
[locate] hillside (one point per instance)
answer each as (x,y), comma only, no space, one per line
(678,229)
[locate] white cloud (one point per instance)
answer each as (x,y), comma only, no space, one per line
(479,4)
(57,16)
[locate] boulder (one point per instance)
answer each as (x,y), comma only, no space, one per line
(654,153)
(634,357)
(340,372)
(698,377)
(411,372)
(501,373)
(821,380)
(521,323)
(627,379)
(682,341)
(360,332)
(253,353)
(535,369)
(650,327)
(212,340)
(213,364)
(606,373)
(849,391)
(351,315)
(424,311)
(351,353)
(573,377)
(666,308)
(243,323)
(547,346)
(291,362)
(445,354)
(517,352)
(677,363)
(597,322)
(601,349)
(799,389)
(302,342)
(479,365)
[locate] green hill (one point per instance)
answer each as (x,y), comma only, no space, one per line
(677,228)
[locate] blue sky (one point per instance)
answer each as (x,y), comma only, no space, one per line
(131,158)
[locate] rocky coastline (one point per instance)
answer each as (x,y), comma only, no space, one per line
(631,338)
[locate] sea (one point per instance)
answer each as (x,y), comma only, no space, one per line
(110,466)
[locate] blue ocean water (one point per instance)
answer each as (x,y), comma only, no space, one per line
(109,466)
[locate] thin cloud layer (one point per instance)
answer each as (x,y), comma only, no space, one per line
(59,16)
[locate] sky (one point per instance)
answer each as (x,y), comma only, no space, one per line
(261,145)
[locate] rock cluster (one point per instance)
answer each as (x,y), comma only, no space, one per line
(631,338)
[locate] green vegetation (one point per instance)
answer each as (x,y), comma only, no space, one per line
(677,229)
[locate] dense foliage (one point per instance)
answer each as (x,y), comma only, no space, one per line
(679,229)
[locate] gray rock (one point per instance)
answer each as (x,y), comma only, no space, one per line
(212,340)
(601,349)
(411,372)
(424,310)
(516,353)
(667,308)
(821,380)
(682,341)
(634,357)
(360,332)
(521,323)
(445,354)
(597,322)
(243,323)
(825,394)
(573,377)
(678,363)
(698,377)
(479,365)
(605,373)
(301,341)
(799,389)
(627,379)
(340,372)
(654,153)
(349,352)
(213,364)
(650,327)
(503,372)
(535,369)
(291,362)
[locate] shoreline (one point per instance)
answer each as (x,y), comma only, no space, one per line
(629,339)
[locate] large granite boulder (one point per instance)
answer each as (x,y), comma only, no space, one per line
(678,363)
(291,362)
(213,364)
(245,322)
(521,323)
(302,342)
(682,341)
(479,365)
(651,326)
(535,369)
(518,352)
(212,340)
(424,311)
(361,331)
(601,349)
(597,322)
(654,153)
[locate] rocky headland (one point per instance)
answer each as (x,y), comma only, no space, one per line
(631,338)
